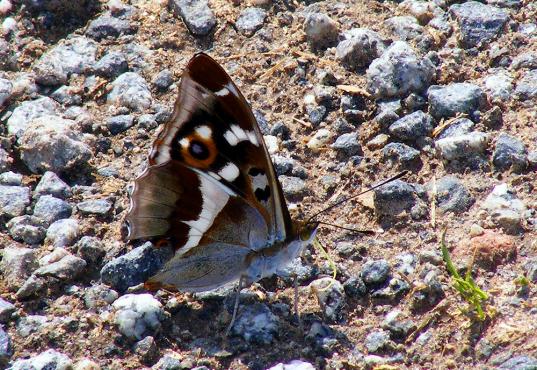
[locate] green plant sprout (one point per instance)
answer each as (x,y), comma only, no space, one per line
(466,286)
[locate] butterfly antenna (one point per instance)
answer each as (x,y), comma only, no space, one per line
(398,176)
(366,232)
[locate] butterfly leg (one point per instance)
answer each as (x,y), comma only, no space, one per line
(297,314)
(235,307)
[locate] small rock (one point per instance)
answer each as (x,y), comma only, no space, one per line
(321,137)
(6,88)
(51,184)
(359,48)
(316,114)
(170,362)
(519,363)
(163,80)
(377,341)
(6,311)
(50,209)
(457,127)
(322,338)
(462,146)
(111,65)
(526,87)
(109,25)
(398,197)
(451,195)
(146,349)
(429,294)
(479,23)
(293,187)
(10,178)
(63,233)
(5,160)
(272,144)
(354,287)
(505,208)
(28,229)
(379,141)
(447,101)
(100,207)
(412,126)
(49,360)
(250,20)
(67,95)
(398,72)
(27,111)
(99,296)
(397,325)
(86,364)
(392,291)
(13,200)
(347,145)
(405,27)
(138,315)
(130,90)
(321,30)
(499,86)
(134,267)
(401,154)
(406,263)
(375,273)
(16,265)
(196,14)
(6,348)
(525,60)
(63,266)
(331,297)
(509,152)
(30,324)
(354,108)
(293,365)
(488,250)
(118,124)
(91,249)
(256,324)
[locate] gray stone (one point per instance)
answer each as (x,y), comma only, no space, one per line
(293,365)
(521,362)
(163,80)
(430,294)
(293,187)
(21,117)
(316,114)
(134,267)
(304,272)
(530,269)
(73,56)
(462,146)
(526,87)
(48,360)
(110,25)
(99,296)
(401,155)
(91,249)
(359,48)
(250,20)
(130,90)
(377,341)
(147,122)
(397,324)
(505,208)
(111,65)
(5,160)
(452,195)
(51,184)
(525,60)
(532,158)
(392,291)
(16,265)
(51,143)
(347,145)
(138,315)
(412,126)
(509,153)
(67,95)
(479,23)
(457,127)
(406,263)
(375,273)
(170,362)
(28,229)
(256,324)
(396,197)
(63,266)
(10,178)
(321,30)
(100,207)
(146,349)
(196,14)
(448,101)
(13,200)
(63,233)
(354,287)
(6,348)
(499,86)
(118,124)
(331,297)
(7,309)
(321,337)
(405,27)
(6,88)
(399,72)
(50,209)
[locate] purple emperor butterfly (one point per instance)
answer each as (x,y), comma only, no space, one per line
(211,190)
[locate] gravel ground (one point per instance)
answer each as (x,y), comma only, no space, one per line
(347,93)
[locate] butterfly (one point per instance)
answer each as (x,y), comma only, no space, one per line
(211,190)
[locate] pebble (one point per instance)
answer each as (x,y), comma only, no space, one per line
(30,324)
(63,233)
(91,249)
(86,364)
(396,323)
(13,200)
(170,362)
(430,293)
(118,124)
(6,88)
(321,336)
(111,65)
(100,207)
(397,197)
(321,31)
(319,139)
(521,362)
(354,287)
(146,349)
(488,250)
(99,296)
(28,229)
(6,347)
(138,315)
(406,28)
(457,127)
(7,309)
(347,145)
(51,184)
(256,324)
(163,80)
(398,72)
(5,7)
(447,101)
(412,126)
(62,265)
(51,143)
(304,272)
(27,111)
(359,47)
(499,85)
(11,178)
(331,297)
(112,26)
(67,95)
(130,90)
(378,341)
(250,20)
(505,208)
(451,195)
(73,56)
(406,263)
(294,188)
(50,209)
(375,273)
(48,360)
(509,153)
(134,267)
(16,265)
(401,155)
(462,146)
(196,14)
(316,114)
(5,160)
(526,87)
(272,144)
(379,141)
(479,23)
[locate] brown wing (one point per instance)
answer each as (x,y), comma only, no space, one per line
(210,152)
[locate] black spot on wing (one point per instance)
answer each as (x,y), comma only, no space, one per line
(255,171)
(262,194)
(198,150)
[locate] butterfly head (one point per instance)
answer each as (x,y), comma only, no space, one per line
(308,230)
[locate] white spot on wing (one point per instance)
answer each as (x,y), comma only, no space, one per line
(239,133)
(236,135)
(214,175)
(184,142)
(229,172)
(222,92)
(204,131)
(252,138)
(259,181)
(231,138)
